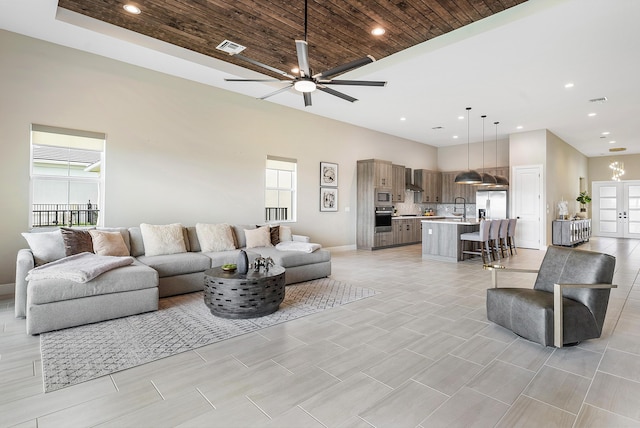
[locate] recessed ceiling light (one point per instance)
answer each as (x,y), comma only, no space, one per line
(460,117)
(606,133)
(455,137)
(403,118)
(612,142)
(519,127)
(592,114)
(132,8)
(378,31)
(568,85)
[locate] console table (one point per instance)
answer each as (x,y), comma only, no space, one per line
(571,232)
(250,295)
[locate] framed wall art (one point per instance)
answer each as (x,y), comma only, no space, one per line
(328,174)
(328,199)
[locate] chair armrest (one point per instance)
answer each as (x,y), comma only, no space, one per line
(24,263)
(495,268)
(558,309)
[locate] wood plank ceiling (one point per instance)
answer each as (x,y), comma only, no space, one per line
(338,31)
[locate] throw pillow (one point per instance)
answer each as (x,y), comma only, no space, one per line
(275,234)
(285,233)
(45,246)
(215,237)
(260,237)
(162,239)
(76,241)
(108,243)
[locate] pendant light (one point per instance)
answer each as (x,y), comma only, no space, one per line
(469,176)
(500,180)
(487,179)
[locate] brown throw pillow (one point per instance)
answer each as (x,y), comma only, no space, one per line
(76,241)
(108,243)
(275,233)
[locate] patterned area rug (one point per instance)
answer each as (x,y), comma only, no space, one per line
(182,323)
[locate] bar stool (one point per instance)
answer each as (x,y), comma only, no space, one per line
(494,238)
(511,236)
(502,237)
(481,237)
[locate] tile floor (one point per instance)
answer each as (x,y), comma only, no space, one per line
(420,354)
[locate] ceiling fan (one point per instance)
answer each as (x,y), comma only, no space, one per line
(307,82)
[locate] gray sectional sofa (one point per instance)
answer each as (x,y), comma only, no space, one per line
(52,304)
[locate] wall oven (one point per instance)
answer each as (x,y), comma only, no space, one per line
(383,197)
(383,219)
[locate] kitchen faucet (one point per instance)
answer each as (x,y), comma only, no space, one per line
(464,207)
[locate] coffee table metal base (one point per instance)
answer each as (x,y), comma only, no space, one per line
(252,295)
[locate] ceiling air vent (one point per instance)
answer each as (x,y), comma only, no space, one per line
(598,100)
(230,47)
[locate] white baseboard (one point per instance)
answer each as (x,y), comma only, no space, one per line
(7,289)
(341,248)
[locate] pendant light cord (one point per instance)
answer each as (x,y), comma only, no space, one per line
(468,144)
(484,116)
(305,19)
(496,124)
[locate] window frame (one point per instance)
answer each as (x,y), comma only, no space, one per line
(293,189)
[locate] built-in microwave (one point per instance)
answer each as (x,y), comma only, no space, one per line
(383,197)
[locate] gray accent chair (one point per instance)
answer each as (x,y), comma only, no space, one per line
(567,304)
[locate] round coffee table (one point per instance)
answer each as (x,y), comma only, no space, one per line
(250,295)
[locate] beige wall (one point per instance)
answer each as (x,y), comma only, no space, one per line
(177,151)
(599,167)
(454,158)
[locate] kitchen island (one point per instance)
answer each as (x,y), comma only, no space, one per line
(441,238)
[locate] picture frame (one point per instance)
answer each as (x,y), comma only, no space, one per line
(328,199)
(328,174)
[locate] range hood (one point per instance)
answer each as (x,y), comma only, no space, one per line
(408,179)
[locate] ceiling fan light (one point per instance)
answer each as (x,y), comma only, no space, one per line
(304,86)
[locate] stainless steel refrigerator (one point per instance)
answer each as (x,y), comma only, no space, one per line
(493,202)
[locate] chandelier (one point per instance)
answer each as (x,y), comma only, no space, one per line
(618,170)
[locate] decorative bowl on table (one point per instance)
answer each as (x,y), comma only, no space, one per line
(229,267)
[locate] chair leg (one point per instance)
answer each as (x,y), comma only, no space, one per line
(483,252)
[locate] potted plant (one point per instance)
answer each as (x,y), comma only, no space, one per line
(584,199)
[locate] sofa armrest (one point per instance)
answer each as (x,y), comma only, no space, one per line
(558,309)
(24,263)
(300,238)
(495,268)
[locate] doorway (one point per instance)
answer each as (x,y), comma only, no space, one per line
(527,205)
(616,209)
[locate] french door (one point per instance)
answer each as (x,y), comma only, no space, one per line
(616,209)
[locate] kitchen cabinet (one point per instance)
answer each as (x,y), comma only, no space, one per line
(371,174)
(383,173)
(431,183)
(451,190)
(383,239)
(398,183)
(406,231)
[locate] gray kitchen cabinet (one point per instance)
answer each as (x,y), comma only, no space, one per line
(398,183)
(431,183)
(452,190)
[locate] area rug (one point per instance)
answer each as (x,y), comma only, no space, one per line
(182,323)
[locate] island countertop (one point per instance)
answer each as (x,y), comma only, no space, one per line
(441,238)
(453,220)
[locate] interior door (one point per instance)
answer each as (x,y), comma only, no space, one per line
(527,205)
(616,209)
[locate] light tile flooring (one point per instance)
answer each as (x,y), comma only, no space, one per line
(420,354)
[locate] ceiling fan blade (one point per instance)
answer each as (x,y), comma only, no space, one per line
(307,98)
(286,88)
(302,48)
(257,80)
(345,67)
(337,94)
(353,82)
(265,66)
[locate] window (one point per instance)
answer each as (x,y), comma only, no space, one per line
(66,177)
(280,189)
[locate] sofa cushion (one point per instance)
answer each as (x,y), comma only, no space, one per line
(162,239)
(123,231)
(177,264)
(192,237)
(219,258)
(45,246)
(76,241)
(108,243)
(238,233)
(259,237)
(215,237)
(127,278)
(289,259)
(285,233)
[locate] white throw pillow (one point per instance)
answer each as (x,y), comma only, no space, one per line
(260,237)
(46,246)
(285,233)
(108,243)
(162,239)
(215,237)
